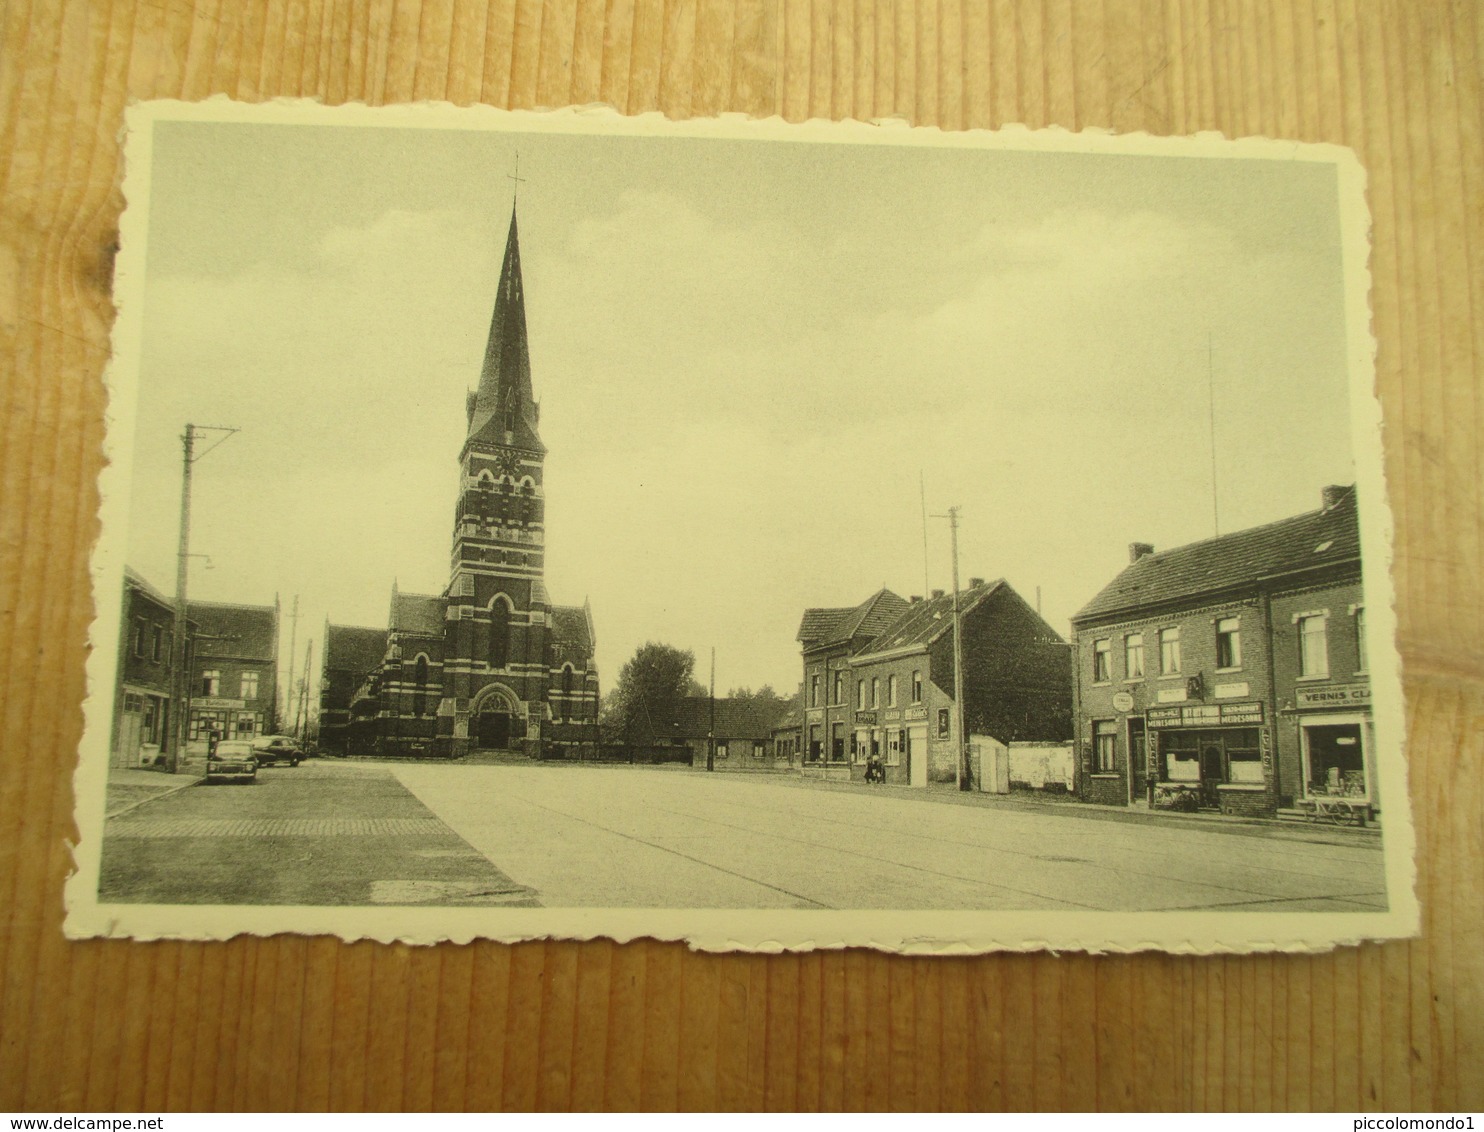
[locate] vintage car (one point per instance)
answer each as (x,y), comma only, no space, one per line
(274,749)
(232,760)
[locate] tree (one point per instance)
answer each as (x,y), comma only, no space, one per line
(649,689)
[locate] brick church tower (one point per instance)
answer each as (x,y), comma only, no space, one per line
(490,664)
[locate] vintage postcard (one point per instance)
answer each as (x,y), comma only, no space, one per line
(767,536)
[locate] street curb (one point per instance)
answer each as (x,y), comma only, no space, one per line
(169,790)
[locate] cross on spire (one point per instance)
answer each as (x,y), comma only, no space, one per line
(516,177)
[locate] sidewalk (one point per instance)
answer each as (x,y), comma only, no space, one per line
(128,789)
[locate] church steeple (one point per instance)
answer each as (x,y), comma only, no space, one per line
(503,411)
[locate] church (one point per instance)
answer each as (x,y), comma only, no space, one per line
(489,664)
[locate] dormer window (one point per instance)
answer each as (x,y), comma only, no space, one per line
(510,418)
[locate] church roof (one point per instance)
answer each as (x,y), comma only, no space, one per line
(1329,536)
(505,394)
(421,614)
(570,627)
(245,632)
(353,648)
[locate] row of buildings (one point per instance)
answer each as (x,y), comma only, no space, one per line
(231,667)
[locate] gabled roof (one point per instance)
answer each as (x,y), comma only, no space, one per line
(836,626)
(247,632)
(1329,536)
(569,626)
(352,648)
(421,614)
(735,719)
(133,579)
(925,621)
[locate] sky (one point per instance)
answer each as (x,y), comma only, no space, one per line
(755,360)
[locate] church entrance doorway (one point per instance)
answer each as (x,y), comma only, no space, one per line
(493,729)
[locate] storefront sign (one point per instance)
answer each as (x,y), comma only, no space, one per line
(1123,701)
(894,713)
(1205,715)
(216,702)
(1232,691)
(1335,695)
(1172,695)
(918,713)
(866,717)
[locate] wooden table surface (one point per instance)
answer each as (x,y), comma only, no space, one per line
(313,1023)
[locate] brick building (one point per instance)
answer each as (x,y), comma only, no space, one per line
(878,680)
(1230,674)
(141,702)
(352,653)
(490,663)
(233,667)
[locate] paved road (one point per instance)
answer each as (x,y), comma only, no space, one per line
(632,837)
(316,834)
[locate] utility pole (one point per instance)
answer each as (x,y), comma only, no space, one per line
(289,702)
(958,661)
(301,708)
(711,732)
(179,681)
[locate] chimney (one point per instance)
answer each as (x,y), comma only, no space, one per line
(1137,550)
(937,593)
(975,583)
(1332,495)
(914,599)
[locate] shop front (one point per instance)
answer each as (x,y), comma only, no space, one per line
(1210,757)
(1336,741)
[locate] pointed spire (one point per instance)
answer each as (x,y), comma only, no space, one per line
(504,408)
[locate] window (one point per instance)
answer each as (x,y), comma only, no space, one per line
(916,686)
(1360,664)
(158,648)
(816,750)
(895,748)
(246,725)
(757,748)
(211,682)
(875,691)
(1133,656)
(1102,660)
(839,689)
(891,691)
(499,654)
(1169,651)
(721,748)
(837,742)
(860,693)
(136,639)
(1229,643)
(814,689)
(249,686)
(1313,645)
(1104,743)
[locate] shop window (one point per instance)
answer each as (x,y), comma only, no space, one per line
(895,748)
(816,749)
(1229,643)
(1313,645)
(249,688)
(857,746)
(942,723)
(1133,656)
(1102,660)
(211,682)
(1104,745)
(1361,665)
(891,691)
(837,742)
(916,686)
(1169,651)
(246,726)
(1336,759)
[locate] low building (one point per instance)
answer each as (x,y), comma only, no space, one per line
(141,703)
(742,731)
(1230,674)
(887,671)
(352,653)
(233,685)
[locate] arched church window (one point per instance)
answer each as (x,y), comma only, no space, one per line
(567,711)
(499,654)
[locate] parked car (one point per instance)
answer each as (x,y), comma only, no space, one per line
(274,749)
(232,760)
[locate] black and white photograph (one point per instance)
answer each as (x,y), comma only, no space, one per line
(773,537)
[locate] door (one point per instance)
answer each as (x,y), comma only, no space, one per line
(494,730)
(128,749)
(1138,760)
(917,755)
(1212,772)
